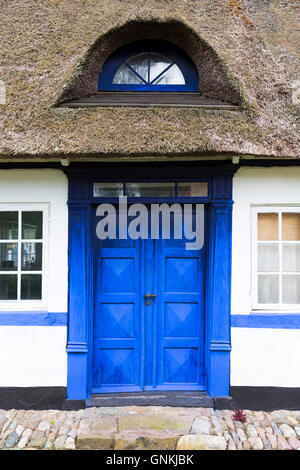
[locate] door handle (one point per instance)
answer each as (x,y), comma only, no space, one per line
(147,296)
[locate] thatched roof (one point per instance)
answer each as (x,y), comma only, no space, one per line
(246,51)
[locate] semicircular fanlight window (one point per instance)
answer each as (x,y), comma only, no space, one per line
(149,68)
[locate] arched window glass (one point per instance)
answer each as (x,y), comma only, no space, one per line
(148,66)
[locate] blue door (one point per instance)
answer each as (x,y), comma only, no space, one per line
(148,316)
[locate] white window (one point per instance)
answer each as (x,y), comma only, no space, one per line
(276,258)
(23,256)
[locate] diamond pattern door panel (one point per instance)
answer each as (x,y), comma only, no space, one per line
(181,274)
(180,365)
(118,320)
(118,275)
(117,367)
(181,320)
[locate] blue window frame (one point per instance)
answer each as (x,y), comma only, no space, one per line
(148,66)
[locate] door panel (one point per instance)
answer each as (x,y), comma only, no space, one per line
(180,315)
(117,320)
(159,346)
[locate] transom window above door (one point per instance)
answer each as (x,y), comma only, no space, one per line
(181,189)
(148,66)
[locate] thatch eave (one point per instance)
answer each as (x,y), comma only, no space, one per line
(45,48)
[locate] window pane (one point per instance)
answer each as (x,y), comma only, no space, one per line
(268,257)
(139,63)
(31,287)
(8,287)
(108,189)
(150,189)
(31,256)
(8,225)
(199,189)
(8,256)
(268,289)
(290,289)
(125,76)
(267,226)
(172,76)
(32,225)
(158,64)
(291,257)
(290,226)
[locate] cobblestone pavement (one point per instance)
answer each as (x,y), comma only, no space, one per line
(153,427)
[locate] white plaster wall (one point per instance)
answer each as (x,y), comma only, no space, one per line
(45,186)
(273,185)
(33,356)
(36,355)
(260,356)
(265,357)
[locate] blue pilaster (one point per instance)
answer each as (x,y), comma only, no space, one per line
(218,295)
(77,347)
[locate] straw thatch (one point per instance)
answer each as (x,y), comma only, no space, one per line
(246,52)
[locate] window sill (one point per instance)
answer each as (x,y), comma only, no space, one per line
(149,99)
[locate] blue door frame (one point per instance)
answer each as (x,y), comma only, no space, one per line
(81,266)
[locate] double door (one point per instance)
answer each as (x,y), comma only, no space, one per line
(148,326)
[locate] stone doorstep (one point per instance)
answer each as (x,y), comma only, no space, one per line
(128,440)
(132,432)
(145,440)
(95,442)
(97,432)
(175,425)
(142,432)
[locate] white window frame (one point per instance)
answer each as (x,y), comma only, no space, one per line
(277,209)
(25,305)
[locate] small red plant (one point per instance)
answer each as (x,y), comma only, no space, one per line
(239,416)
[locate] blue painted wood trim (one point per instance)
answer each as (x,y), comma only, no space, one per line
(79,301)
(288,321)
(117,58)
(37,318)
(220,346)
(219,288)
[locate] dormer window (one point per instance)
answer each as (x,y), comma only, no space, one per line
(148,73)
(148,66)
